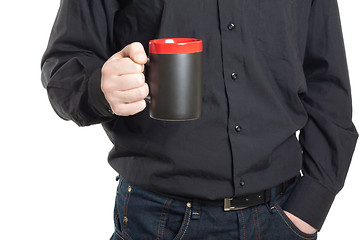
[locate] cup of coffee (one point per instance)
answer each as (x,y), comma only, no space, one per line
(175,78)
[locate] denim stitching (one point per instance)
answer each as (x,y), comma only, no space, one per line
(128,194)
(243,218)
(303,237)
(119,234)
(187,225)
(127,199)
(160,221)
(125,209)
(253,217)
(182,225)
(116,220)
(257,217)
(166,212)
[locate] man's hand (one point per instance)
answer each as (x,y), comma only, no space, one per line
(123,81)
(300,224)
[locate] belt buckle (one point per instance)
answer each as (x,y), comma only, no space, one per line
(228,207)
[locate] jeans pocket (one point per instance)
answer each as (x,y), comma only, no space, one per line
(182,230)
(146,215)
(290,226)
(116,215)
(118,235)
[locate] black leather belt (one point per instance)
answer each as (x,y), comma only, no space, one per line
(241,202)
(251,200)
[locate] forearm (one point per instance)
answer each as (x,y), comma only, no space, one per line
(328,139)
(77,49)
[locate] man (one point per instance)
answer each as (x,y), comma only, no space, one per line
(270,68)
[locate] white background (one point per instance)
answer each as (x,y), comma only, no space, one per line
(55,182)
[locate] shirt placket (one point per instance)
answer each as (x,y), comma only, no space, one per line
(232,58)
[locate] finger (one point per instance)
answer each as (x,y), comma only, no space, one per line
(121,66)
(135,51)
(114,84)
(129,81)
(127,109)
(132,95)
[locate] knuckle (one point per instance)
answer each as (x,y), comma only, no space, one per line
(105,70)
(105,86)
(129,109)
(142,105)
(147,88)
(122,63)
(120,110)
(125,61)
(132,47)
(140,79)
(123,96)
(135,46)
(128,96)
(116,109)
(142,93)
(138,68)
(137,107)
(112,103)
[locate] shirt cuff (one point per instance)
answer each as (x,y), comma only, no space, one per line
(97,99)
(310,201)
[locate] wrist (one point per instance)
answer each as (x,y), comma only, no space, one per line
(96,98)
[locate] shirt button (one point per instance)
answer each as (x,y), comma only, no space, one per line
(231,26)
(234,75)
(242,183)
(238,128)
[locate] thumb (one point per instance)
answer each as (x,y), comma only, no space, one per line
(136,52)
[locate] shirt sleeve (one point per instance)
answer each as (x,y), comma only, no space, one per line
(328,139)
(80,42)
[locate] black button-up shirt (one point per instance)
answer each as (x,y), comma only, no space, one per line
(270,68)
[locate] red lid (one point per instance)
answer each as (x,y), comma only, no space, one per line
(175,45)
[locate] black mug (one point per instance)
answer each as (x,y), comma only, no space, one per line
(175,78)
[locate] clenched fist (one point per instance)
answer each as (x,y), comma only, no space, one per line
(123,81)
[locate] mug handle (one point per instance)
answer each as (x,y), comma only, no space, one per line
(148,98)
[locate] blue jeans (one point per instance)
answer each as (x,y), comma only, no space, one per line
(141,214)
